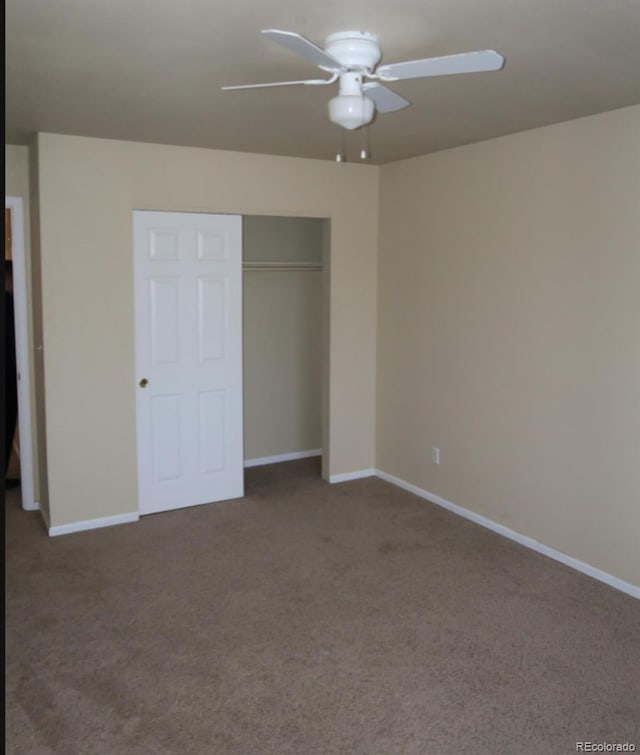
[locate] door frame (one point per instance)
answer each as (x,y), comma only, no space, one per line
(21,318)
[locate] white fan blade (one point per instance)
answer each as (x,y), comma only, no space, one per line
(313,82)
(466,62)
(301,46)
(386,101)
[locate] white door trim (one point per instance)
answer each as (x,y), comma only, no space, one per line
(20,307)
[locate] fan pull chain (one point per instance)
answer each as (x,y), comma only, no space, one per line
(365,152)
(341,155)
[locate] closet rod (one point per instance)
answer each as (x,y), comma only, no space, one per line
(275,266)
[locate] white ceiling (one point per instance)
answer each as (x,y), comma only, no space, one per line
(151,70)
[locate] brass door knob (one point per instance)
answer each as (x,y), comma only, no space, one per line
(143,383)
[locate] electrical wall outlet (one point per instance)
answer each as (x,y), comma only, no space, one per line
(435,455)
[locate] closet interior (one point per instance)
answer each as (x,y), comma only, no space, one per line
(284,265)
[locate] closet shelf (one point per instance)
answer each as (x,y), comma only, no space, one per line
(275,266)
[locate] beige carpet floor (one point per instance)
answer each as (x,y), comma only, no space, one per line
(309,619)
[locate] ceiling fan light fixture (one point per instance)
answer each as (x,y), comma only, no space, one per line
(352,57)
(351,111)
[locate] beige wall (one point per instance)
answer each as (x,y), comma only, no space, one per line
(282,362)
(88,189)
(275,239)
(16,184)
(282,334)
(509,333)
(16,175)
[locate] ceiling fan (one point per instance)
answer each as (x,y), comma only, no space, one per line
(352,57)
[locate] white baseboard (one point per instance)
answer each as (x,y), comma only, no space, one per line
(529,542)
(282,457)
(91,524)
(357,475)
(31,506)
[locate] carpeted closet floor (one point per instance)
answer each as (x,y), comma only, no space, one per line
(309,619)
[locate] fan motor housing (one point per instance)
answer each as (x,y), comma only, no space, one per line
(354,50)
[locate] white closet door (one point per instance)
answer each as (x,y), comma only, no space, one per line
(188,311)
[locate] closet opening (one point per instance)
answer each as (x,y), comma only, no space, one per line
(285,339)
